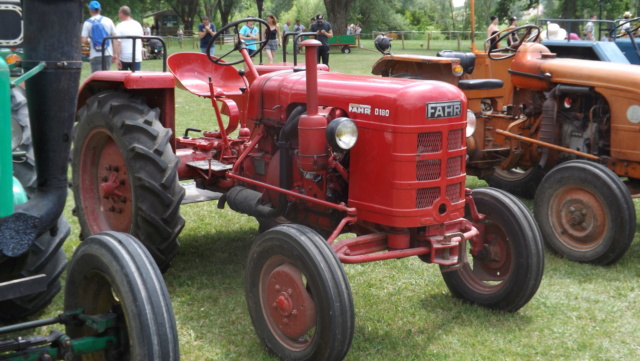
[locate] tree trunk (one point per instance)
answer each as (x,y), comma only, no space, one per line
(337,11)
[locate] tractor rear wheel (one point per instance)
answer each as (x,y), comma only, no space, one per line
(585,213)
(519,182)
(507,272)
(125,175)
(46,255)
(298,295)
(113,272)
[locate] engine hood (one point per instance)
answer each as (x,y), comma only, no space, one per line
(367,98)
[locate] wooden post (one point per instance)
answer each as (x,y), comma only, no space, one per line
(428,41)
(458,36)
(402,35)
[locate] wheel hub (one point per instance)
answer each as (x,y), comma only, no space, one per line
(579,218)
(291,307)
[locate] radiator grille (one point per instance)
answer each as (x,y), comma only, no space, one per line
(454,139)
(427,170)
(453,192)
(426,196)
(454,166)
(429,142)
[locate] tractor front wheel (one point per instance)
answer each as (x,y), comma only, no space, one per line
(298,295)
(125,174)
(113,273)
(519,182)
(585,213)
(506,272)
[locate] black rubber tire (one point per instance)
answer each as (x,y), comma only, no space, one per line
(152,171)
(25,168)
(346,50)
(516,181)
(508,218)
(46,255)
(327,285)
(114,263)
(597,190)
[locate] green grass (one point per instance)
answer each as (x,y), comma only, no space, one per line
(403,308)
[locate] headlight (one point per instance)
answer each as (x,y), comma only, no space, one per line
(342,133)
(13,59)
(471,123)
(458,70)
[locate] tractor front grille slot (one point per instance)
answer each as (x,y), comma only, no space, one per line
(429,142)
(454,139)
(427,170)
(426,197)
(453,192)
(454,166)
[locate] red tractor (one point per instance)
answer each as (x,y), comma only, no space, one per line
(317,154)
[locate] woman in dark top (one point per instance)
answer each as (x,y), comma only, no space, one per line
(273,34)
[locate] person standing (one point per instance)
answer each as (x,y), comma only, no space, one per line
(95,56)
(588,29)
(323,29)
(206,31)
(147,30)
(180,35)
(298,28)
(492,32)
(285,30)
(250,33)
(124,52)
(513,38)
(272,33)
(626,23)
(358,31)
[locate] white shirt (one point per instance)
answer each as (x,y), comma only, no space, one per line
(125,28)
(108,27)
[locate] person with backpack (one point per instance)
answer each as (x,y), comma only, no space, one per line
(96,28)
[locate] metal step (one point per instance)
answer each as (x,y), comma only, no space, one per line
(215,165)
(195,195)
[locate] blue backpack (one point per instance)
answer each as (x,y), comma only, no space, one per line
(98,33)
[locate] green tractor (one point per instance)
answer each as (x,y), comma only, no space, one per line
(116,305)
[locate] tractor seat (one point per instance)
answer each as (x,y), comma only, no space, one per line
(467,60)
(480,84)
(192,70)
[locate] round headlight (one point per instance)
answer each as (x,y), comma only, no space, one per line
(458,70)
(342,133)
(471,123)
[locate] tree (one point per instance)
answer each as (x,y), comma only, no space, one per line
(186,10)
(337,12)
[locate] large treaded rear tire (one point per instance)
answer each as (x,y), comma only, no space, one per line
(46,255)
(120,141)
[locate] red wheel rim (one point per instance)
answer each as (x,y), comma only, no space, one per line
(578,218)
(488,271)
(286,303)
(104,184)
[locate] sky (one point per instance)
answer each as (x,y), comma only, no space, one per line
(457,3)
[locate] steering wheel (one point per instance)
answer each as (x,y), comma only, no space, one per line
(618,31)
(237,43)
(532,33)
(614,34)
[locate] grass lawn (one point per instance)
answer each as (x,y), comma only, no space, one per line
(403,308)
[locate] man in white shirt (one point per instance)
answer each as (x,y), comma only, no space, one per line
(95,56)
(124,52)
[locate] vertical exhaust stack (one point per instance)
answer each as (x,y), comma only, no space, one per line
(312,127)
(52,97)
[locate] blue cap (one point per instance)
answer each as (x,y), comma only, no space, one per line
(94,5)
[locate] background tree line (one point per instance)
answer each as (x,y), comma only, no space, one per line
(372,15)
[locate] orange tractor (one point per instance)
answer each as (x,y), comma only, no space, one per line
(537,118)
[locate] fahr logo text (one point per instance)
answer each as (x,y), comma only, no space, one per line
(444,109)
(360,109)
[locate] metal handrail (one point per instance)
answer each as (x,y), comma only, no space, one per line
(133,57)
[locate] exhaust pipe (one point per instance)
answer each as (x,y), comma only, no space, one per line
(52,97)
(247,201)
